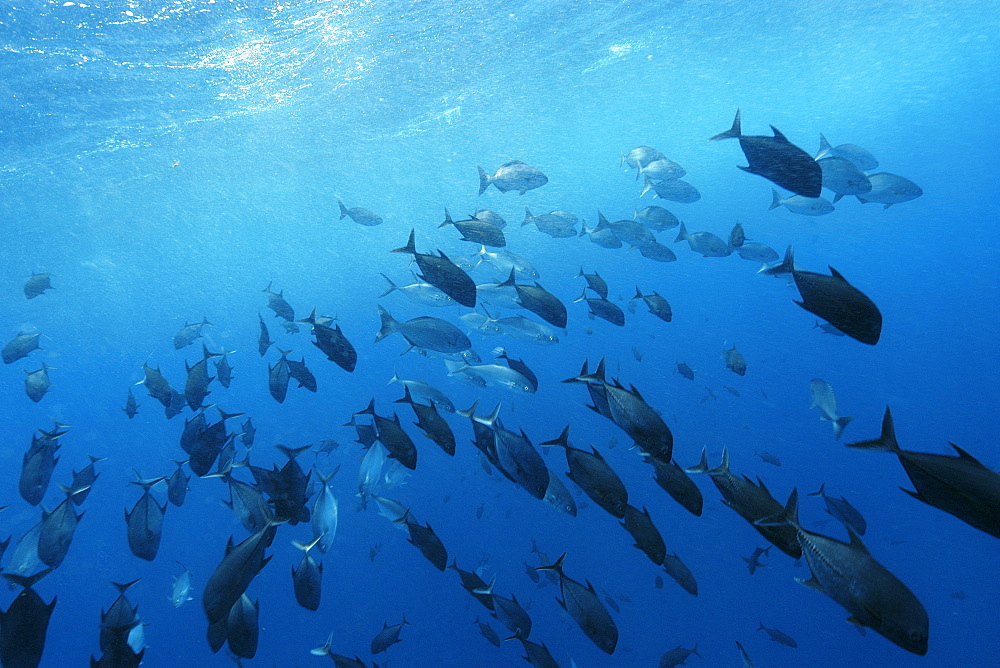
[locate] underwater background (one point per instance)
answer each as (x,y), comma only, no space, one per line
(167,161)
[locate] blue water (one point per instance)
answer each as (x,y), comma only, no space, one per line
(166,161)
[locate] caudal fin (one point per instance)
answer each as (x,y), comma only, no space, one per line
(732,133)
(775,200)
(388,324)
(484,180)
(886,442)
(839,424)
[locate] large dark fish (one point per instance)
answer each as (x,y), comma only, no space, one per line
(675,482)
(538,656)
(508,611)
(36,383)
(277,377)
(156,384)
(36,469)
(656,304)
(594,476)
(131,408)
(471,583)
(177,485)
(145,522)
(540,301)
(518,458)
(242,629)
(477,231)
(957,484)
(24,624)
(430,422)
(647,536)
(307,579)
(276,302)
(234,573)
(847,573)
(391,435)
(422,537)
(585,607)
(681,574)
(333,343)
(443,274)
(57,532)
(223,371)
(301,374)
(264,339)
(839,303)
(777,160)
(841,509)
(84,480)
(425,332)
(388,636)
(198,380)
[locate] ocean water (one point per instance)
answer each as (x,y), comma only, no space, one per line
(166,161)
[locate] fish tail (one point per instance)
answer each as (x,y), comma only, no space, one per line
(528,218)
(343,210)
(447,219)
(886,442)
(410,246)
(837,197)
(819,492)
(392,286)
(647,187)
(388,324)
(682,234)
(484,180)
(787,517)
(824,147)
(839,424)
(701,466)
(775,200)
(734,132)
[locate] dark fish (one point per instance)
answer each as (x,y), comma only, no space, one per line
(248,431)
(248,504)
(677,656)
(287,488)
(359,216)
(472,583)
(735,362)
(430,422)
(647,536)
(425,332)
(733,391)
(425,540)
(518,458)
(388,636)
(675,482)
(839,303)
(277,377)
(36,383)
(131,408)
(36,469)
(83,481)
(145,522)
(684,370)
(276,302)
(514,175)
(540,301)
(656,251)
(848,574)
(841,509)
(630,232)
(779,637)
(656,304)
(752,501)
(37,284)
(443,274)
(223,371)
(747,663)
(586,609)
(477,231)
(57,532)
(604,309)
(753,561)
(177,485)
(520,367)
(768,458)
(19,347)
(681,574)
(307,579)
(175,404)
(391,435)
(264,340)
(737,237)
(959,485)
(189,333)
(487,631)
(198,380)
(559,497)
(234,573)
(538,656)
(301,373)
(594,476)
(786,266)
(507,610)
(777,160)
(333,343)
(595,283)
(24,625)
(242,629)
(339,660)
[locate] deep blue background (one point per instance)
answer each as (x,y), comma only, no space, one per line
(168,163)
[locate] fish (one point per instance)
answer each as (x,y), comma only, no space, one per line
(675,482)
(20,347)
(777,160)
(843,177)
(145,522)
(180,592)
(359,216)
(839,303)
(804,206)
(675,190)
(540,301)
(57,532)
(737,237)
(824,399)
(37,284)
(493,374)
(325,513)
(595,283)
(421,293)
(240,565)
(517,458)
(477,231)
(656,218)
(684,370)
(778,636)
(276,302)
(502,261)
(827,328)
(189,333)
(559,497)
(264,340)
(421,390)
(525,329)
(442,273)
(747,663)
(889,189)
(84,479)
(242,630)
(753,561)
(860,157)
(391,435)
(471,582)
(662,169)
(557,224)
(657,252)
(585,607)
(656,304)
(594,476)
(681,574)
(706,243)
(425,332)
(647,536)
(735,361)
(519,366)
(430,422)
(640,156)
(307,579)
(333,343)
(538,655)
(957,484)
(768,458)
(603,237)
(277,377)
(247,433)
(388,636)
(37,465)
(131,408)
(487,632)
(223,371)
(36,383)
(677,656)
(850,575)
(630,232)
(491,217)
(786,266)
(301,374)
(603,309)
(843,511)
(514,175)
(25,622)
(198,380)
(757,252)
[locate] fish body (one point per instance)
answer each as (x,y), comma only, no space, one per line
(359,215)
(840,304)
(514,175)
(804,206)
